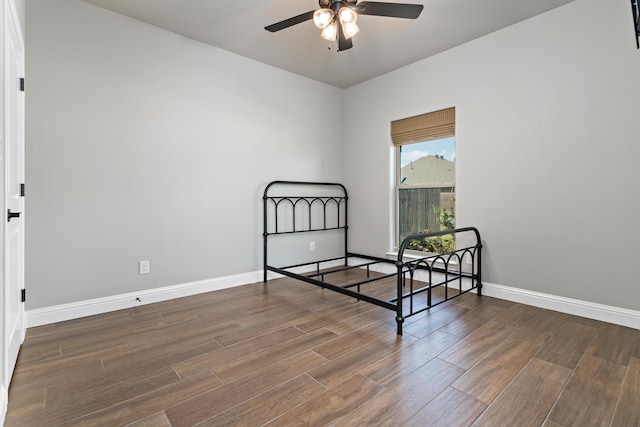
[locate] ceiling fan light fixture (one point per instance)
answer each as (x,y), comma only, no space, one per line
(350,30)
(338,18)
(322,18)
(330,32)
(347,16)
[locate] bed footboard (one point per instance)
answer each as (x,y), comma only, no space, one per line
(456,272)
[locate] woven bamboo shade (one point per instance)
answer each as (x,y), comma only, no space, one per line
(425,127)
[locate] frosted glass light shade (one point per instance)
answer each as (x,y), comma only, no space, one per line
(322,18)
(347,16)
(350,30)
(330,32)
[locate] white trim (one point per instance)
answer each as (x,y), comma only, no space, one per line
(75,310)
(60,313)
(591,310)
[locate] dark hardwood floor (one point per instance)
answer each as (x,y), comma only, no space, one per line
(288,353)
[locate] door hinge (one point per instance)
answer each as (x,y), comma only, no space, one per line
(21,84)
(23,295)
(21,190)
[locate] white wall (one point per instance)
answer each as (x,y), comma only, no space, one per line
(142,144)
(546,156)
(139,141)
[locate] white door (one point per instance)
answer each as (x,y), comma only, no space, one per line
(13,217)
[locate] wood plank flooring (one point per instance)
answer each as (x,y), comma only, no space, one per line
(288,353)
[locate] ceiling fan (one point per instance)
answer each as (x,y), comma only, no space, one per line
(337,18)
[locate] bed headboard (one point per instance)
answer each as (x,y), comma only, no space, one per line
(303,207)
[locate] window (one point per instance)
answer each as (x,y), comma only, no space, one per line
(425,178)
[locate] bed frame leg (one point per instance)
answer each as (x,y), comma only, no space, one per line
(399,321)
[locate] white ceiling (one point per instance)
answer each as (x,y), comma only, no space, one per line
(382,45)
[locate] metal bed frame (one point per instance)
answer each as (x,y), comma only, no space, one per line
(457,272)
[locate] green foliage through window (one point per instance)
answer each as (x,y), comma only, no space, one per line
(425,191)
(437,244)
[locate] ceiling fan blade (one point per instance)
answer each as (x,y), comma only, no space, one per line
(343,43)
(394,10)
(290,22)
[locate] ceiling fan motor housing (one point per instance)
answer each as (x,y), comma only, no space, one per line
(335,5)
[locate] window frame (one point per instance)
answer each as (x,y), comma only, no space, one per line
(396,194)
(422,128)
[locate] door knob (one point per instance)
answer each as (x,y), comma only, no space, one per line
(12,215)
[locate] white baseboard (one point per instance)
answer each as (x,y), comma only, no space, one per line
(605,313)
(75,310)
(60,313)
(591,310)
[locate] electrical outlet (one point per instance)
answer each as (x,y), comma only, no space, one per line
(312,245)
(143,267)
